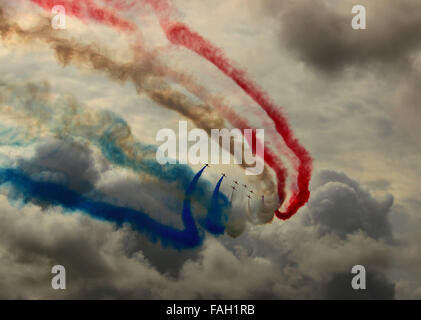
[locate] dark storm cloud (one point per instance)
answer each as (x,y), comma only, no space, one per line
(340,205)
(321,34)
(102,262)
(167,261)
(91,251)
(66,162)
(73,164)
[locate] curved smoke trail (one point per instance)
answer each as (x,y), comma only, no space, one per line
(215,220)
(146,78)
(23,188)
(113,137)
(180,34)
(199,114)
(66,118)
(140,73)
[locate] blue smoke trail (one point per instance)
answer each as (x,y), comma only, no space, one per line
(177,173)
(65,118)
(26,190)
(216,218)
(186,216)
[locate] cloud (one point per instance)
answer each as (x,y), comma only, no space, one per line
(91,251)
(288,261)
(320,33)
(315,248)
(339,205)
(66,162)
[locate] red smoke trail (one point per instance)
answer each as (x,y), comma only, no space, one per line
(121,4)
(87,9)
(180,34)
(237,121)
(269,157)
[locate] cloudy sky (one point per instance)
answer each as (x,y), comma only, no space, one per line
(351,96)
